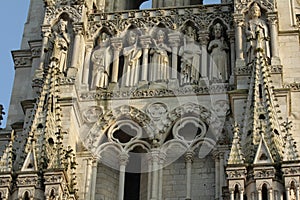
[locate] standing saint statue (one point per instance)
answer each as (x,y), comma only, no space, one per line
(132,54)
(218,51)
(256,34)
(160,59)
(61,42)
(101,59)
(190,54)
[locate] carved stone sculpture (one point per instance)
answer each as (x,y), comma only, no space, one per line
(101,59)
(257,34)
(218,52)
(190,54)
(159,69)
(61,42)
(132,54)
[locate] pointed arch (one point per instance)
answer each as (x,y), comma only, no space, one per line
(212,121)
(97,134)
(52,16)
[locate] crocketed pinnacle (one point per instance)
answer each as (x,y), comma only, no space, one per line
(261,117)
(236,154)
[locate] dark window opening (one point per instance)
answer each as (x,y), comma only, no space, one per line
(133,176)
(264,192)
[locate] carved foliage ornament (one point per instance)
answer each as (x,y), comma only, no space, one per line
(118,22)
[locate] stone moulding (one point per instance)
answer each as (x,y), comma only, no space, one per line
(295,87)
(135,94)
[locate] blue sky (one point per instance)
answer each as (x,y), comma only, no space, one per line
(14,15)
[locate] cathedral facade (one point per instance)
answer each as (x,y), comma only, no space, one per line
(180,101)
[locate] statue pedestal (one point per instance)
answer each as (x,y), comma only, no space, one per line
(203,81)
(113,86)
(72,71)
(143,84)
(173,84)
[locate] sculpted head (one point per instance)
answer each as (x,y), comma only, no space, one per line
(132,37)
(160,36)
(255,11)
(217,30)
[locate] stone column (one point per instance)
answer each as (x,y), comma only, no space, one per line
(94,178)
(86,66)
(174,40)
(161,167)
(150,170)
(217,176)
(87,192)
(78,30)
(232,195)
(259,194)
(241,195)
(287,191)
(154,3)
(155,164)
(270,194)
(187,2)
(117,46)
(188,162)
(232,55)
(204,37)
(297,194)
(222,175)
(160,3)
(145,42)
(273,19)
(46,30)
(123,159)
(239,21)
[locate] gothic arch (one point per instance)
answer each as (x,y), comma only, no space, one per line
(98,131)
(265,183)
(191,109)
(98,32)
(221,21)
(189,22)
(263,8)
(52,16)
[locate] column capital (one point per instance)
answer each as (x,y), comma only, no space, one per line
(145,41)
(117,43)
(189,156)
(46,30)
(89,45)
(204,37)
(78,29)
(238,19)
(272,18)
(174,39)
(123,158)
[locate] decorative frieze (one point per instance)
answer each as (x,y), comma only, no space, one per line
(149,93)
(293,86)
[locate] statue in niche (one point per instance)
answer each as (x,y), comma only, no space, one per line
(190,54)
(256,34)
(61,42)
(132,54)
(219,57)
(292,194)
(101,59)
(159,70)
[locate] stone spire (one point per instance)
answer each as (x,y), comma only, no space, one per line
(236,154)
(261,119)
